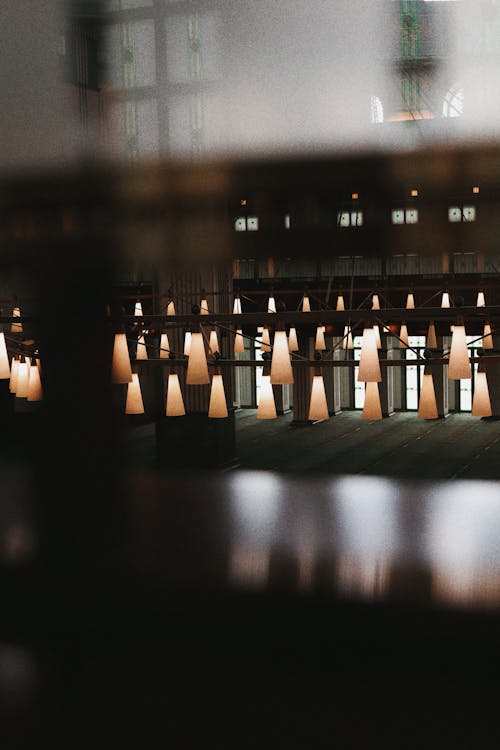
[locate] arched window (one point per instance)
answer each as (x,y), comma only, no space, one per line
(376,110)
(453,104)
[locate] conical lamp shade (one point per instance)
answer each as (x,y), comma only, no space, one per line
(121,371)
(4,359)
(266,408)
(410,302)
(403,336)
(265,343)
(134,404)
(175,403)
(318,407)
(239,342)
(281,367)
(187,343)
(171,308)
(427,406)
(445,300)
(204,307)
(217,407)
(13,375)
(237,306)
(271,305)
(138,309)
(319,344)
(375,302)
(487,337)
(480,300)
(481,405)
(431,342)
(142,351)
(197,369)
(35,391)
(376,333)
(16,327)
(459,365)
(369,366)
(306,305)
(22,380)
(164,346)
(340,303)
(213,342)
(293,344)
(372,408)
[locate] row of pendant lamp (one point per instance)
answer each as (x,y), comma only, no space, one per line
(23,373)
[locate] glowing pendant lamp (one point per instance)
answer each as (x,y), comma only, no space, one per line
(142,352)
(217,408)
(481,405)
(164,346)
(13,374)
(35,391)
(340,303)
(369,366)
(237,306)
(318,407)
(266,408)
(487,337)
(445,300)
(376,333)
(319,344)
(239,342)
(138,309)
(410,302)
(375,302)
(4,359)
(403,336)
(480,300)
(271,305)
(171,308)
(121,371)
(197,369)
(265,343)
(459,365)
(306,305)
(204,307)
(372,408)
(213,342)
(427,406)
(347,342)
(22,380)
(293,344)
(431,342)
(175,403)
(134,404)
(187,343)
(16,327)
(281,367)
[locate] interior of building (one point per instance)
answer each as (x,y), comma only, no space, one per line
(249,372)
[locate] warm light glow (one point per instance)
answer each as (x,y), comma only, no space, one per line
(164,346)
(403,336)
(318,407)
(22,380)
(213,342)
(414,193)
(35,391)
(487,337)
(265,342)
(203,307)
(121,371)
(271,305)
(431,342)
(340,303)
(281,367)
(410,302)
(217,407)
(347,342)
(187,343)
(445,300)
(142,352)
(171,308)
(475,189)
(266,408)
(13,374)
(237,306)
(369,366)
(134,404)
(376,333)
(175,403)
(427,406)
(239,342)
(197,369)
(306,305)
(4,359)
(372,408)
(138,309)
(480,300)
(459,365)
(319,344)
(354,196)
(375,302)
(16,327)
(293,344)
(481,406)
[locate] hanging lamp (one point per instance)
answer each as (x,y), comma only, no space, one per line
(217,408)
(281,366)
(134,403)
(13,374)
(318,406)
(22,379)
(369,366)
(16,327)
(4,359)
(121,371)
(213,342)
(197,368)
(265,341)
(427,406)
(481,404)
(403,336)
(306,305)
(340,303)
(174,402)
(138,309)
(187,343)
(480,300)
(237,306)
(293,344)
(35,391)
(204,307)
(266,408)
(431,341)
(142,352)
(372,408)
(445,300)
(319,343)
(410,301)
(487,337)
(239,342)
(171,308)
(376,333)
(271,305)
(164,346)
(459,364)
